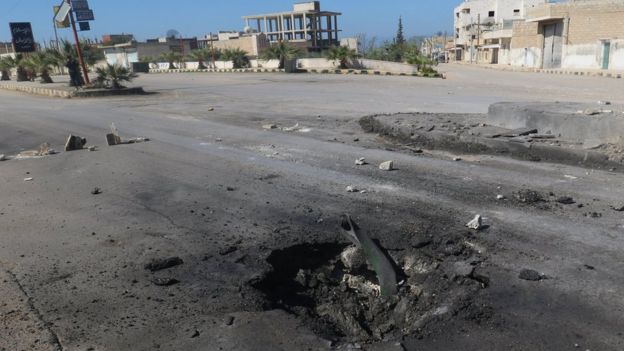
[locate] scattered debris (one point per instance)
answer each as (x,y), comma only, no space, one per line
(566,200)
(589,267)
(3,158)
(195,334)
(618,208)
(92,148)
(75,143)
(269,126)
(594,215)
(387,166)
(163,263)
(476,223)
(590,112)
(43,150)
(500,197)
(292,129)
(456,159)
(352,189)
(165,281)
(29,179)
(361,161)
(531,275)
(375,257)
(519,132)
(528,196)
(137,140)
(96,191)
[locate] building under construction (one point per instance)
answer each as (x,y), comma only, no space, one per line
(306,26)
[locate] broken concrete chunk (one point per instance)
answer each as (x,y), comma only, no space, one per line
(476,223)
(604,102)
(590,112)
(269,126)
(500,197)
(92,148)
(292,129)
(387,166)
(2,158)
(360,161)
(457,159)
(618,208)
(463,269)
(29,179)
(566,200)
(353,259)
(113,138)
(229,320)
(96,191)
(75,143)
(352,189)
(163,263)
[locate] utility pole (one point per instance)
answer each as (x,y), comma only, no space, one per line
(478,35)
(78,48)
(212,52)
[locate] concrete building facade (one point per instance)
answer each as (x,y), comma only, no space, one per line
(483,29)
(577,34)
(306,26)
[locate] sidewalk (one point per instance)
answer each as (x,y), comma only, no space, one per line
(564,71)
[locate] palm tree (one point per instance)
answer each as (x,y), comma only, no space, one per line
(201,55)
(342,54)
(40,64)
(172,57)
(19,63)
(111,76)
(237,56)
(282,52)
(6,64)
(91,53)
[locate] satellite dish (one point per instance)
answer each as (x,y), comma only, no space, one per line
(172,33)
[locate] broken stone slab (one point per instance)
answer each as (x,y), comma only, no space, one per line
(476,223)
(163,263)
(519,132)
(387,166)
(374,256)
(43,150)
(353,259)
(112,139)
(75,142)
(361,161)
(531,275)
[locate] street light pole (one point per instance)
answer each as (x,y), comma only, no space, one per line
(78,49)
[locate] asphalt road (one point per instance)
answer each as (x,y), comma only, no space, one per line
(212,178)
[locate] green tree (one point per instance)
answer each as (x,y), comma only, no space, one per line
(171,57)
(237,56)
(201,55)
(342,54)
(400,38)
(40,63)
(6,64)
(111,76)
(91,53)
(282,52)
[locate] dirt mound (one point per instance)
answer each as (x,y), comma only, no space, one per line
(332,288)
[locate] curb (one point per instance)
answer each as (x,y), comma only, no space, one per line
(549,71)
(67,94)
(487,146)
(316,71)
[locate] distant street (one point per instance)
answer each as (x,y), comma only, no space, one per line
(217,189)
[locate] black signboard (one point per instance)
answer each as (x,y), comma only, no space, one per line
(23,40)
(84,15)
(84,26)
(80,5)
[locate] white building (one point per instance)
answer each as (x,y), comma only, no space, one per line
(483,29)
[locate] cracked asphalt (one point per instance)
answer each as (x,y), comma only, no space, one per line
(217,190)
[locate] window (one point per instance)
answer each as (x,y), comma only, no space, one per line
(491,14)
(517,12)
(474,36)
(457,14)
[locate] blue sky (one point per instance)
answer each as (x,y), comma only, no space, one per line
(152,18)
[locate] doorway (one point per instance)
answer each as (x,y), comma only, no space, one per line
(606,52)
(553,45)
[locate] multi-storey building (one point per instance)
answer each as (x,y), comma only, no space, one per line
(483,29)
